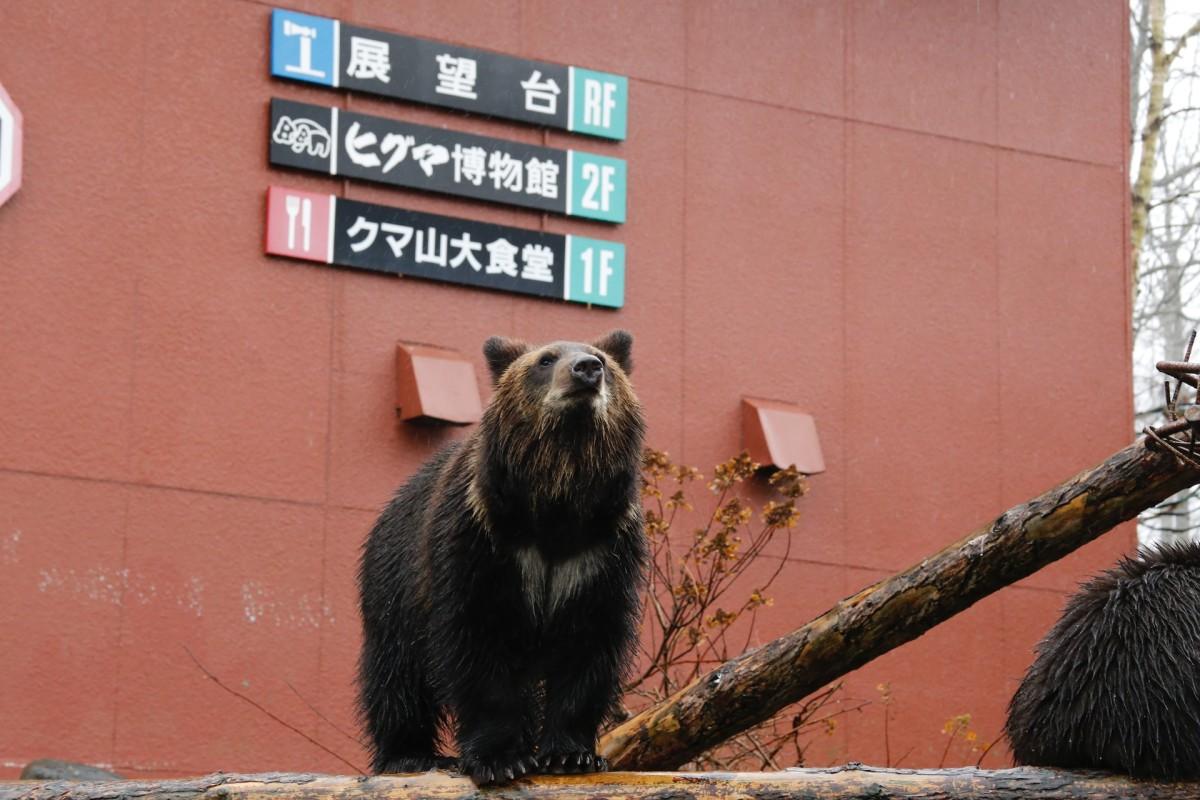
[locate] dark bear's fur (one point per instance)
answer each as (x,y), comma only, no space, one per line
(1116,683)
(500,588)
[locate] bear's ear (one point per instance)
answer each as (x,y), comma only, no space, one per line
(619,345)
(501,352)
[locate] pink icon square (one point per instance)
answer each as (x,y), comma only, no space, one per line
(300,224)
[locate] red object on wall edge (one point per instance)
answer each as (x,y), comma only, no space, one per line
(10,146)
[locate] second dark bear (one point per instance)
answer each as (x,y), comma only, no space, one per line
(501,586)
(1114,685)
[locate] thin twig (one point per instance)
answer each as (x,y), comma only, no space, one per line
(284,723)
(326,719)
(986,750)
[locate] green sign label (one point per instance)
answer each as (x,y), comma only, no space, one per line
(595,272)
(597,187)
(598,103)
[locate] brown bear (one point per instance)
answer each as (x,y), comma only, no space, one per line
(500,588)
(1114,685)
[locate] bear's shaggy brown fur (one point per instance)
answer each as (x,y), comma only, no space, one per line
(1116,682)
(500,588)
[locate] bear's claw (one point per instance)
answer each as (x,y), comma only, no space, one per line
(572,761)
(484,771)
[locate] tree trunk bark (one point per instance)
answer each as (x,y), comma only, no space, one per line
(1151,128)
(853,781)
(754,686)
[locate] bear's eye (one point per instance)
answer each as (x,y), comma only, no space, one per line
(546,361)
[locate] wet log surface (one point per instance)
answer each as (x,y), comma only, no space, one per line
(853,781)
(754,686)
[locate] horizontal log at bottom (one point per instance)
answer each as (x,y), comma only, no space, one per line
(852,781)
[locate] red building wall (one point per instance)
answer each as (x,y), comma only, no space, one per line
(908,217)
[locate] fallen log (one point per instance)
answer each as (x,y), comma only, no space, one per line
(852,781)
(754,686)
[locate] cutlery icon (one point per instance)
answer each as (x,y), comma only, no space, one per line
(293,208)
(306,215)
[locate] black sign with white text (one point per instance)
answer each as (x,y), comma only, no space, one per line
(338,142)
(334,230)
(331,53)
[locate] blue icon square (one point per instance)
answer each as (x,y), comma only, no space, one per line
(304,47)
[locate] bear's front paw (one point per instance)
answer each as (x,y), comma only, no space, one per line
(571,760)
(500,769)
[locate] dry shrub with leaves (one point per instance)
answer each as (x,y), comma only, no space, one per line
(694,601)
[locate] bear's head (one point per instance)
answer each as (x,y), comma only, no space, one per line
(564,411)
(563,381)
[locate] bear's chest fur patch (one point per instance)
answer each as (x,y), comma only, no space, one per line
(548,585)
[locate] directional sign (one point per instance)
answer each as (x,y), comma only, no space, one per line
(338,142)
(10,147)
(334,230)
(327,52)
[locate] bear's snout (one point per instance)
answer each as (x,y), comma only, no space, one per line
(587,370)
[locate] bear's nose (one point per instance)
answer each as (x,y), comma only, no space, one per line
(587,370)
